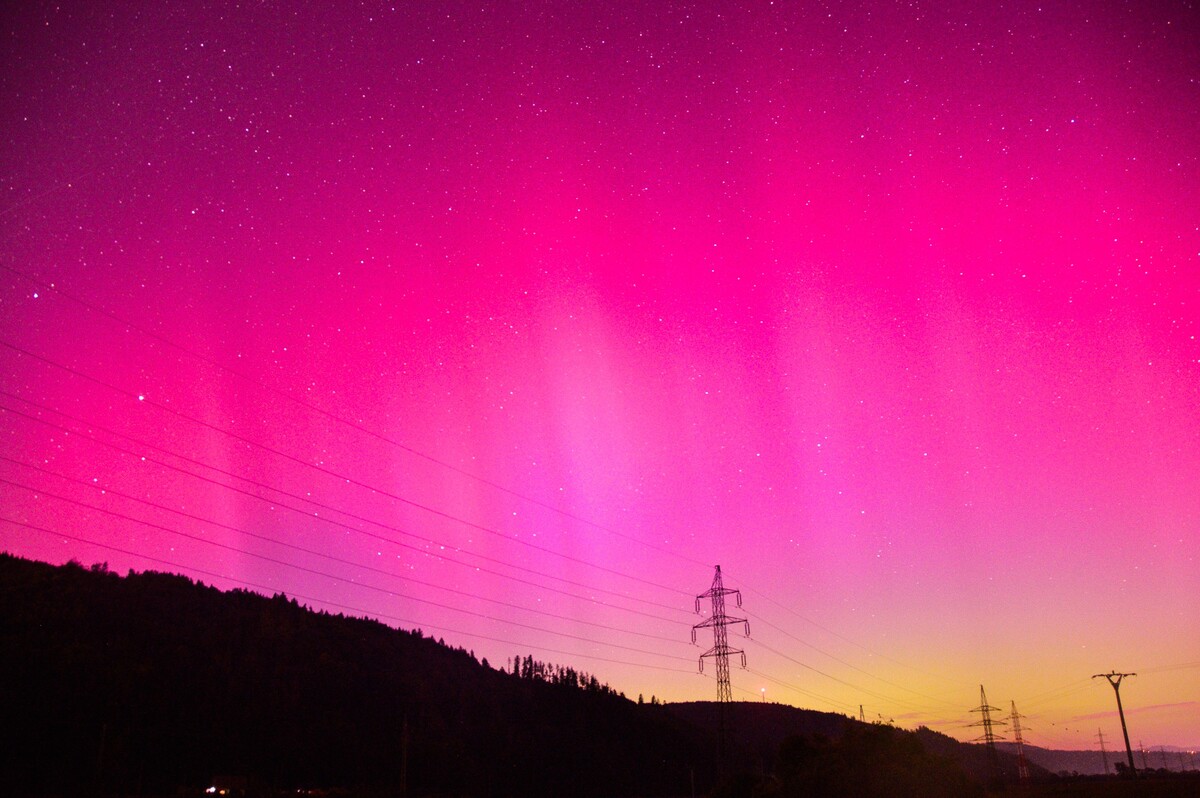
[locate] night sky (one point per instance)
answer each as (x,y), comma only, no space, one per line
(510,321)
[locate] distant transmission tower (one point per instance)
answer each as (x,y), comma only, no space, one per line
(989,737)
(1103,751)
(1022,765)
(720,650)
(1114,679)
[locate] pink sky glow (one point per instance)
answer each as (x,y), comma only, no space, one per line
(509,321)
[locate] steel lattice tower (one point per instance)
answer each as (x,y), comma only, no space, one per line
(1103,751)
(1022,765)
(989,737)
(720,650)
(717,622)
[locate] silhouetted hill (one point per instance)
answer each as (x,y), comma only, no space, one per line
(1093,762)
(1083,762)
(150,682)
(759,729)
(974,757)
(756,730)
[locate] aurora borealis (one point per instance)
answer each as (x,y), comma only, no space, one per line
(509,321)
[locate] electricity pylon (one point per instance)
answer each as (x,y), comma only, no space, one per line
(717,622)
(1114,679)
(1103,752)
(1022,765)
(720,650)
(989,737)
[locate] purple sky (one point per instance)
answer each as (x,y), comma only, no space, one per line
(511,323)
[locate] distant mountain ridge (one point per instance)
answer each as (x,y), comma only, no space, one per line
(1089,763)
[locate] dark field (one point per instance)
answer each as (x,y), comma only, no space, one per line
(1181,786)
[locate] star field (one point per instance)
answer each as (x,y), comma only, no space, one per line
(509,322)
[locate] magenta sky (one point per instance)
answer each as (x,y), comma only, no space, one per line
(889,309)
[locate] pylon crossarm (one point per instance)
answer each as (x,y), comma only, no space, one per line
(721,620)
(988,737)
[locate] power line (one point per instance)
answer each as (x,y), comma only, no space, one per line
(840,661)
(415,452)
(842,637)
(843,682)
(318,572)
(330,521)
(331,508)
(336,559)
(372,433)
(285,544)
(366,613)
(342,420)
(142,399)
(363,429)
(334,522)
(1163,668)
(1058,692)
(35,197)
(396,497)
(800,690)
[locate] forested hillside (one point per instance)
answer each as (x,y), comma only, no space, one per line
(150,682)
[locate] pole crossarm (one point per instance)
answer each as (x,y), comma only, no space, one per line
(1115,679)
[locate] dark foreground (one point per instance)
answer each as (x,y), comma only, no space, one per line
(1178,785)
(152,685)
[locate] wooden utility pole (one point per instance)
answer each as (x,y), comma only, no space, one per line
(1114,679)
